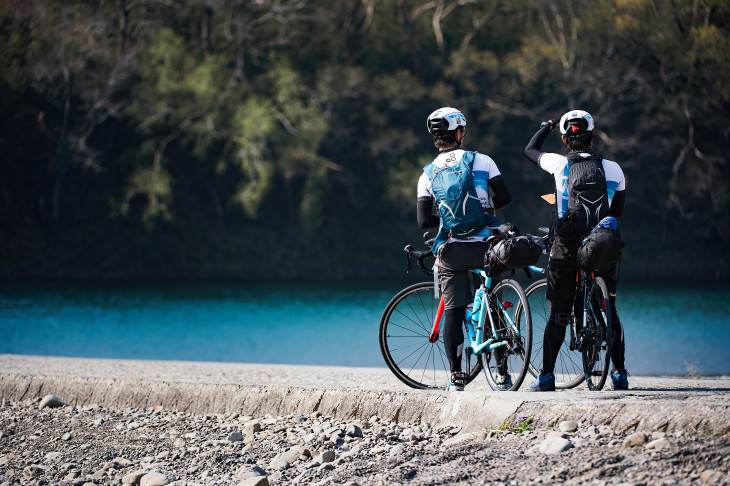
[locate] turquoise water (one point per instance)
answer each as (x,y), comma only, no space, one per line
(672,330)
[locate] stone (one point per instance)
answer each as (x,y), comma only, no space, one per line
(53,456)
(250,472)
(554,445)
(133,477)
(465,437)
(51,401)
(710,476)
(555,433)
(252,427)
(568,426)
(33,471)
(635,439)
(235,437)
(353,431)
(397,450)
(324,457)
(658,444)
(154,478)
(254,481)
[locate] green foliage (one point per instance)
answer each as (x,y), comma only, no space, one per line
(152,126)
(516,426)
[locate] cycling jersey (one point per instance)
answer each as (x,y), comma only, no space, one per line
(557,165)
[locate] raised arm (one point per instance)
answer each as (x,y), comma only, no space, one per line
(533,151)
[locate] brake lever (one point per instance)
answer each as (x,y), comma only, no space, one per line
(408,258)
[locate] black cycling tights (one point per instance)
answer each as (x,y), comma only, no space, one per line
(555,334)
(453,336)
(454,341)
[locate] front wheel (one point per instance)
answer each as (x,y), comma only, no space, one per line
(405,328)
(507,364)
(568,365)
(597,335)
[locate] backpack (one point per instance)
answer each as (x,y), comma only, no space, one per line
(601,248)
(512,253)
(461,211)
(587,194)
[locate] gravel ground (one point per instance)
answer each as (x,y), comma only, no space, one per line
(43,442)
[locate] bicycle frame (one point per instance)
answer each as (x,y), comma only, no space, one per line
(475,334)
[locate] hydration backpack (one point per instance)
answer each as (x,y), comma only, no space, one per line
(461,211)
(588,198)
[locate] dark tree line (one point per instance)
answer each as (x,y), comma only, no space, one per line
(285,137)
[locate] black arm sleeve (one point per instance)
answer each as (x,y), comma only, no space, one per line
(617,204)
(501,196)
(533,150)
(426,218)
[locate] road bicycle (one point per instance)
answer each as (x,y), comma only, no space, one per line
(590,329)
(494,331)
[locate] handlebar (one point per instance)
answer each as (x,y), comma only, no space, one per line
(419,256)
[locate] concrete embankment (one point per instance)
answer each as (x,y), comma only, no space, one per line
(689,404)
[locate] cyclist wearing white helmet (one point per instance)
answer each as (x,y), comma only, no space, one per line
(577,129)
(457,252)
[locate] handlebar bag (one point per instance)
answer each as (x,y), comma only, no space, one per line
(600,250)
(513,253)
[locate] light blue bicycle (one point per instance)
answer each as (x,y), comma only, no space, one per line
(497,329)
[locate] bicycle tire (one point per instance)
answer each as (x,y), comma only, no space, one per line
(597,336)
(404,332)
(515,355)
(568,370)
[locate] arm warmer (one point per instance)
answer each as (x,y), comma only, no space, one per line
(424,214)
(533,150)
(502,196)
(617,205)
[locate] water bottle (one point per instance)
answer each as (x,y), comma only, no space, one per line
(476,306)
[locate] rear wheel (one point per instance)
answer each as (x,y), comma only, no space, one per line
(569,366)
(597,336)
(506,365)
(405,327)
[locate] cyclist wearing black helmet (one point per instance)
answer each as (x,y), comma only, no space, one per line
(576,127)
(463,227)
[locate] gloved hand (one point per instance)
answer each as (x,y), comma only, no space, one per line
(549,123)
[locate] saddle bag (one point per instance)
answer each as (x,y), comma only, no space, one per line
(513,253)
(600,250)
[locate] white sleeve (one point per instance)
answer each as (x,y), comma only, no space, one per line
(550,162)
(424,186)
(485,167)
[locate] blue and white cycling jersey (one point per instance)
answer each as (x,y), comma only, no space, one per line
(557,165)
(483,169)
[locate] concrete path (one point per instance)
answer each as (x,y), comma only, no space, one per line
(653,403)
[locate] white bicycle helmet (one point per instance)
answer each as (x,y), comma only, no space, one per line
(576,122)
(445,119)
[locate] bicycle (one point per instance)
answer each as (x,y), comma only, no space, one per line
(590,329)
(494,331)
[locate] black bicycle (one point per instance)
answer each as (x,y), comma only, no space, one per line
(590,328)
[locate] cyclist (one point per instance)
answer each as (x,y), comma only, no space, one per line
(577,128)
(456,256)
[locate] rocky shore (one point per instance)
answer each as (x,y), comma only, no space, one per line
(45,442)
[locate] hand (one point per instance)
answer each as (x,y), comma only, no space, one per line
(549,123)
